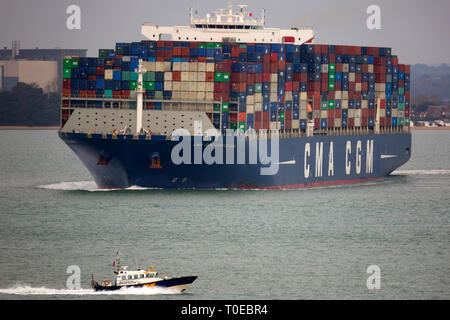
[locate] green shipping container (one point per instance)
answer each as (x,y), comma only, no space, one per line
(331,68)
(104,53)
(331,77)
(242,126)
(324,105)
(331,104)
(401,106)
(149,85)
(401,91)
(133,76)
(225,77)
(67,63)
(67,73)
(107,93)
(149,76)
(216,107)
(125,75)
(133,85)
(218,77)
(282,116)
(233,125)
(258,87)
(331,86)
(406,121)
(225,106)
(399,121)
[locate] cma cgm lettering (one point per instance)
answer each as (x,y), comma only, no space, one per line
(354,158)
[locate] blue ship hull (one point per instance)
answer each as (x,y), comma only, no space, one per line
(121,162)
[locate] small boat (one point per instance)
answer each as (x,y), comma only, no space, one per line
(141,279)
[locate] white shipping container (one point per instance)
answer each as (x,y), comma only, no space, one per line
(345,67)
(357,113)
(184,86)
(201,96)
(176,86)
(184,76)
(364,104)
(167,76)
(258,106)
(201,86)
(167,66)
(209,67)
(337,122)
(273,97)
(210,97)
(303,114)
(357,122)
(274,77)
(160,66)
(338,95)
(344,95)
(274,125)
(296,124)
(209,86)
(394,112)
(192,76)
(258,97)
(185,66)
(351,77)
(167,85)
(193,66)
(201,76)
(192,95)
(176,66)
(351,113)
(383,112)
(108,74)
(303,96)
(324,114)
(344,104)
(201,66)
(250,108)
(193,86)
(250,100)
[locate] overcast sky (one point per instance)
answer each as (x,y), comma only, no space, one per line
(417,30)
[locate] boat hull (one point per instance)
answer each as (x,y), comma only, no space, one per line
(179,284)
(303,162)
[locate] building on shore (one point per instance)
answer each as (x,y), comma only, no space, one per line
(41,66)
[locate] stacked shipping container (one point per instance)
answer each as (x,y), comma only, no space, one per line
(260,86)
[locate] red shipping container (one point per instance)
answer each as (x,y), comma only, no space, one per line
(224,66)
(242,116)
(408,69)
(184,52)
(258,77)
(331,95)
(274,56)
(225,96)
(233,117)
(407,95)
(238,77)
(176,51)
(357,95)
(371,113)
(388,122)
(210,77)
(364,122)
(316,123)
(266,59)
(332,58)
(406,112)
(99,71)
(382,121)
(338,86)
(364,113)
(395,61)
(358,78)
(365,68)
(91,94)
(351,86)
(330,122)
(337,113)
(288,114)
(266,116)
(401,83)
(383,104)
(176,76)
(257,125)
(266,125)
(250,79)
(401,68)
(281,64)
(125,94)
(258,116)
(351,122)
(288,86)
(238,87)
(365,86)
(266,77)
(66,92)
(295,86)
(274,67)
(287,124)
(235,52)
(201,59)
(92,77)
(66,83)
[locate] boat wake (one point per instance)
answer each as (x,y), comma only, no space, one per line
(27,290)
(421,172)
(84,186)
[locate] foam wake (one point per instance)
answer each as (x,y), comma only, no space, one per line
(421,172)
(27,290)
(83,186)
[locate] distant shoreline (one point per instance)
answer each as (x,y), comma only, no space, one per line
(29,127)
(430,128)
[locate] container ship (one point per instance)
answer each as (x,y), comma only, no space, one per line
(228,103)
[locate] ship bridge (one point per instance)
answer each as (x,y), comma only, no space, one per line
(228,26)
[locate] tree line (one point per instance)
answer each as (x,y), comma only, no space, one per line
(29,105)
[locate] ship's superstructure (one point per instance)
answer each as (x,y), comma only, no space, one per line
(341,113)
